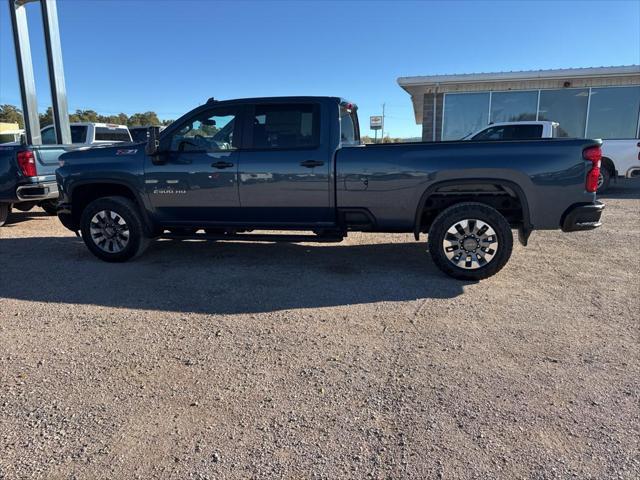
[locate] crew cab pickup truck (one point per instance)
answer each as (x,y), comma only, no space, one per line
(230,169)
(27,174)
(620,157)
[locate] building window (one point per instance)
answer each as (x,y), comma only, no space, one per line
(568,107)
(513,106)
(613,112)
(464,113)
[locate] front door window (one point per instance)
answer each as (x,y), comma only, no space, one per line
(212,132)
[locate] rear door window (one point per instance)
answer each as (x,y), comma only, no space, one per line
(510,132)
(112,134)
(493,133)
(348,126)
(285,126)
(523,132)
(78,134)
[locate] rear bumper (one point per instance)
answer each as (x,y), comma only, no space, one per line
(582,217)
(37,191)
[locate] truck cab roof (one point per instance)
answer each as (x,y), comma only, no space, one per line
(284,99)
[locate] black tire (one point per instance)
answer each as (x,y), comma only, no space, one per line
(5,210)
(124,210)
(604,180)
(454,217)
(50,207)
(24,206)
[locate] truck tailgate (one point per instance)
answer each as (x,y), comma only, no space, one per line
(47,157)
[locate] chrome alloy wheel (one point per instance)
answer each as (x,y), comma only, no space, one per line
(470,244)
(109,231)
(600,180)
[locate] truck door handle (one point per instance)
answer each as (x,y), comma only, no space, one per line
(222,164)
(311,163)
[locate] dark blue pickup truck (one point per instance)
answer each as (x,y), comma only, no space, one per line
(230,169)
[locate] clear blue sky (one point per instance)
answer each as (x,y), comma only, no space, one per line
(171,55)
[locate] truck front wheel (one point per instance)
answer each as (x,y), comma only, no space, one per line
(112,229)
(470,241)
(603,180)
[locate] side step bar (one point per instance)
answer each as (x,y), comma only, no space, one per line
(254,237)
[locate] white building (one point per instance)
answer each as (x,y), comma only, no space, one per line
(601,102)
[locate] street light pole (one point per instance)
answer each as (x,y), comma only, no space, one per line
(382,132)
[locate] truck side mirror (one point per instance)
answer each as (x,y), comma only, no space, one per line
(153,143)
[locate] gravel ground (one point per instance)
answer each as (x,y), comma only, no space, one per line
(356,360)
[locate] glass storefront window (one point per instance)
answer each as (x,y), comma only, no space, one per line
(568,107)
(513,106)
(464,113)
(613,112)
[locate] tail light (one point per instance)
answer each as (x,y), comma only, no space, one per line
(27,163)
(593,155)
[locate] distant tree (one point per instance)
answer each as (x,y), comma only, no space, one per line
(144,119)
(11,114)
(46,118)
(122,119)
(367,139)
(84,116)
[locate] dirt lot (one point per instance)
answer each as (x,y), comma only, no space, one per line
(356,360)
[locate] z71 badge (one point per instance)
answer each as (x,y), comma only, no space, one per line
(127,151)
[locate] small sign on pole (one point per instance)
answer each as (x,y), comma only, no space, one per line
(375,122)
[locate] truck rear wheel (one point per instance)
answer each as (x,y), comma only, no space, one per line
(50,207)
(470,241)
(5,210)
(112,229)
(24,206)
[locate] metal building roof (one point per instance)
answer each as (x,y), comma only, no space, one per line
(520,75)
(525,79)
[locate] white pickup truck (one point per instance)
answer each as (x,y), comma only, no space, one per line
(619,157)
(90,133)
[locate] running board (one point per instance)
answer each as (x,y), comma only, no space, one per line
(254,237)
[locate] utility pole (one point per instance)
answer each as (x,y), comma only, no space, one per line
(382,131)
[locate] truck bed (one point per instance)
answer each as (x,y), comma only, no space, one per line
(389,180)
